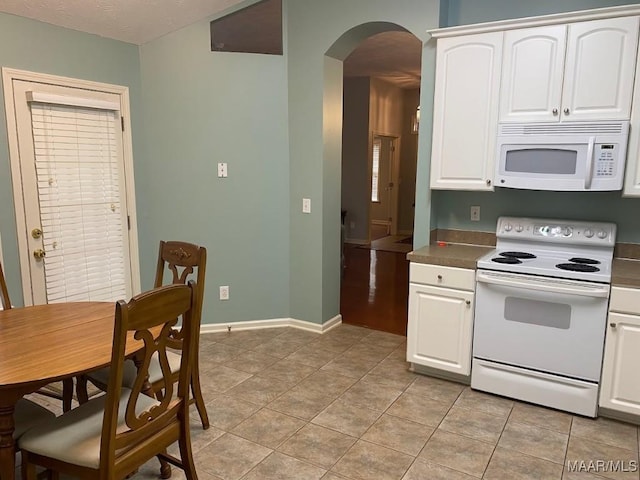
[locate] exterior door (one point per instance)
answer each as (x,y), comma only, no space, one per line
(382,182)
(74,220)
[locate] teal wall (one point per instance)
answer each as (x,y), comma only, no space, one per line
(39,47)
(201,108)
(451,208)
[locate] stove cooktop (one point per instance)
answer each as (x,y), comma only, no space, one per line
(574,250)
(550,264)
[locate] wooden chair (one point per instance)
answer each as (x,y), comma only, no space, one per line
(67,384)
(179,259)
(112,435)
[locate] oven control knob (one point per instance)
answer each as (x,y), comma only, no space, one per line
(567,231)
(588,232)
(602,234)
(507,227)
(519,228)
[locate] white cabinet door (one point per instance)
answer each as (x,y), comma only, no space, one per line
(632,170)
(440,328)
(580,71)
(465,112)
(532,74)
(619,388)
(599,70)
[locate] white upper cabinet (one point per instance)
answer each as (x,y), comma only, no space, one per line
(580,71)
(532,74)
(632,172)
(465,116)
(599,69)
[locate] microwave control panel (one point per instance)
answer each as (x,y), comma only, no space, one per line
(605,159)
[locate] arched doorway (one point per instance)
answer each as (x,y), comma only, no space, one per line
(381,81)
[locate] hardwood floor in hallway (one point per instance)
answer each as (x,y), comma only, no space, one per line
(375,288)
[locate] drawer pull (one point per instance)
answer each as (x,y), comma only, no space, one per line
(613,325)
(439,278)
(468,302)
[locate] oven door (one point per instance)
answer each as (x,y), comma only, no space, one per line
(545,166)
(544,324)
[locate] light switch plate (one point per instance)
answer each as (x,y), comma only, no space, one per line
(306,205)
(222,170)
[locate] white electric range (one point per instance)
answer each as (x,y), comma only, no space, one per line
(540,313)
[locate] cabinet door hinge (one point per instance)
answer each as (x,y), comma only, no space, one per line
(128,222)
(122,123)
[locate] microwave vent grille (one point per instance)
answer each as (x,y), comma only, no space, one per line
(524,129)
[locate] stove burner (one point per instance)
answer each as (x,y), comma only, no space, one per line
(510,260)
(585,261)
(577,267)
(518,255)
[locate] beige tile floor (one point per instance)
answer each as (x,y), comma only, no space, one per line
(286,404)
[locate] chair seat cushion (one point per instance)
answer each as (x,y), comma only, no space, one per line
(75,436)
(129,375)
(29,414)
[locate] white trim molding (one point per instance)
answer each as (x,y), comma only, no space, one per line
(272,323)
(527,22)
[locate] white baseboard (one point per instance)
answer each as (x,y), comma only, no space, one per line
(272,323)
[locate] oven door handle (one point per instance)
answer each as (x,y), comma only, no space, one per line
(544,286)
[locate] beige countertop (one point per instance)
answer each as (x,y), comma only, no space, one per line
(450,255)
(624,272)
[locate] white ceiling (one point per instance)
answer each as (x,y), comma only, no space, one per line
(392,56)
(133,21)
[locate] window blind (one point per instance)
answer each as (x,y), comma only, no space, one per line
(79,190)
(375,171)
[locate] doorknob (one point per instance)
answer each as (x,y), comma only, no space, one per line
(36,233)
(39,254)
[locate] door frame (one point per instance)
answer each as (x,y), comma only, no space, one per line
(394,175)
(8,76)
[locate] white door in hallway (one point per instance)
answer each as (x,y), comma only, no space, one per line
(70,183)
(383,188)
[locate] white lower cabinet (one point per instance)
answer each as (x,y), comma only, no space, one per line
(440,325)
(619,388)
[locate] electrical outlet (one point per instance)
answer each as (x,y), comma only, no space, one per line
(224,292)
(222,170)
(475,213)
(306,205)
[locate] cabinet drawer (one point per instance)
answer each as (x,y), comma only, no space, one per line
(451,277)
(625,300)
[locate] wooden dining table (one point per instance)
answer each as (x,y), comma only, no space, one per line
(46,343)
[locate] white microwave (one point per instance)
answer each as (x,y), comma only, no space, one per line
(572,156)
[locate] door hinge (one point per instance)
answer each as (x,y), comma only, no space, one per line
(122,123)
(128,222)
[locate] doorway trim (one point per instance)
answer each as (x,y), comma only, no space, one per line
(8,77)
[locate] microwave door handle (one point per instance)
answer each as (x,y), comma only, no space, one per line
(589,174)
